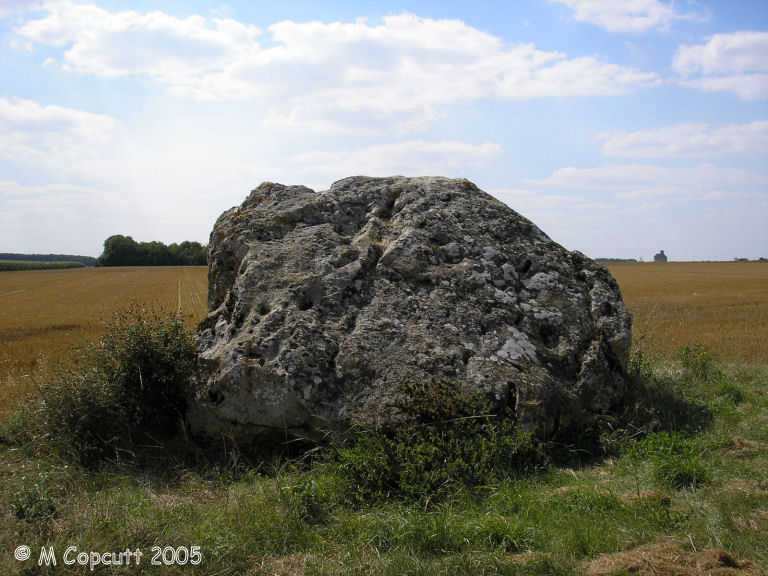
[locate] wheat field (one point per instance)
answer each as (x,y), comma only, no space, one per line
(720,305)
(48,316)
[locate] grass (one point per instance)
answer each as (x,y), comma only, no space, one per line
(682,489)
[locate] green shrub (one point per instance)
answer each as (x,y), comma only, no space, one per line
(128,391)
(453,440)
(149,362)
(31,503)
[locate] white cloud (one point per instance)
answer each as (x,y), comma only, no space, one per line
(625,15)
(412,158)
(10,7)
(29,129)
(736,52)
(398,73)
(16,194)
(690,140)
(748,87)
(168,49)
(735,62)
(649,181)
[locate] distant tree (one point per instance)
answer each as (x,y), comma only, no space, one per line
(120,250)
(193,253)
(125,251)
(87,260)
(155,254)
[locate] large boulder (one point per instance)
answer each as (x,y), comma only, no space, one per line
(323,304)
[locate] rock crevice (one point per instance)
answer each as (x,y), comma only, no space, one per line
(323,304)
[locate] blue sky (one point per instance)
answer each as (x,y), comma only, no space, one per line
(620,128)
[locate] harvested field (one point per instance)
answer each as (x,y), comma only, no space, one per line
(46,316)
(721,305)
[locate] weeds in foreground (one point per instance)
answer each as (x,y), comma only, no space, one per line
(455,441)
(126,398)
(687,462)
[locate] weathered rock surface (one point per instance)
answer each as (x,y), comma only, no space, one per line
(322,304)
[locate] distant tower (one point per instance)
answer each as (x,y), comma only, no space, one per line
(660,257)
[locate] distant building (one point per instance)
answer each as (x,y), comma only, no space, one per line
(660,257)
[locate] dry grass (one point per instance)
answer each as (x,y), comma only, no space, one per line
(722,305)
(673,560)
(46,316)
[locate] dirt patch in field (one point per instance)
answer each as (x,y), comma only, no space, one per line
(672,559)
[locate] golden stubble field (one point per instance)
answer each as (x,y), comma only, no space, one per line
(720,305)
(47,316)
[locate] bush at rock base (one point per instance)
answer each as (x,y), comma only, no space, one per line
(128,391)
(454,440)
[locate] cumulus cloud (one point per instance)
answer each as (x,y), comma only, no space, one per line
(168,49)
(626,15)
(29,129)
(412,158)
(396,73)
(733,62)
(690,140)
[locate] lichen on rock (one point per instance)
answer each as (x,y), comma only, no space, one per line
(323,304)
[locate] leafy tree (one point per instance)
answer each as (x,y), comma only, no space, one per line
(191,253)
(125,251)
(120,250)
(155,254)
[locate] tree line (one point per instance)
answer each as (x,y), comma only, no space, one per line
(9,265)
(122,250)
(87,260)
